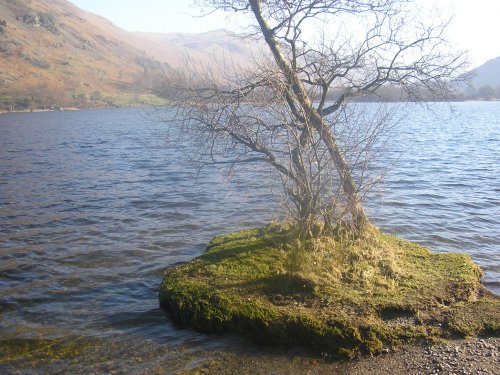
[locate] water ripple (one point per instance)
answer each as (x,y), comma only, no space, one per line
(95,204)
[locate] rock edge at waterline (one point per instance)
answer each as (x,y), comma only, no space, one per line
(336,297)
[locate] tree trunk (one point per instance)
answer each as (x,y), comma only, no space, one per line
(300,95)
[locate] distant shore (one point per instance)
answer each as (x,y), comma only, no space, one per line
(163,102)
(60,109)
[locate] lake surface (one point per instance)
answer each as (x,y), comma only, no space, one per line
(95,204)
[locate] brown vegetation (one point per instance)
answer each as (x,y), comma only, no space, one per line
(55,54)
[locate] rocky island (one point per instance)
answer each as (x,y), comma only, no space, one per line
(338,296)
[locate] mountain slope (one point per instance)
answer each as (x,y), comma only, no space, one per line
(487,74)
(213,47)
(53,53)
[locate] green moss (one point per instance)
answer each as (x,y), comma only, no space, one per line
(34,351)
(338,296)
(481,315)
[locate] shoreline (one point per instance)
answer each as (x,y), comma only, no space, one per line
(462,356)
(62,109)
(37,110)
(243,357)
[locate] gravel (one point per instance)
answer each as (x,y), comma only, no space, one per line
(457,357)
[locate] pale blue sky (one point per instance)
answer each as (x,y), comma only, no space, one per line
(474,28)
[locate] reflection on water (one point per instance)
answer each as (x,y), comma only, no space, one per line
(95,204)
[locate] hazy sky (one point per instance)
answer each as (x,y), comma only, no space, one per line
(474,27)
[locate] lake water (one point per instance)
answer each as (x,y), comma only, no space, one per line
(95,204)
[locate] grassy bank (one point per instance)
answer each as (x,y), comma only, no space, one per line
(28,104)
(333,295)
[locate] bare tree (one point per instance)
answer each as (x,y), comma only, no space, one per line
(293,110)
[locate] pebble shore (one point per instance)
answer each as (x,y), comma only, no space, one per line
(458,357)
(478,357)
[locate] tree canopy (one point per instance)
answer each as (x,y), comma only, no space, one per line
(291,108)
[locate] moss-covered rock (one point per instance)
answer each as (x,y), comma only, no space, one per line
(336,296)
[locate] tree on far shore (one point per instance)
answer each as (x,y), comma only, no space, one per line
(485,92)
(292,108)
